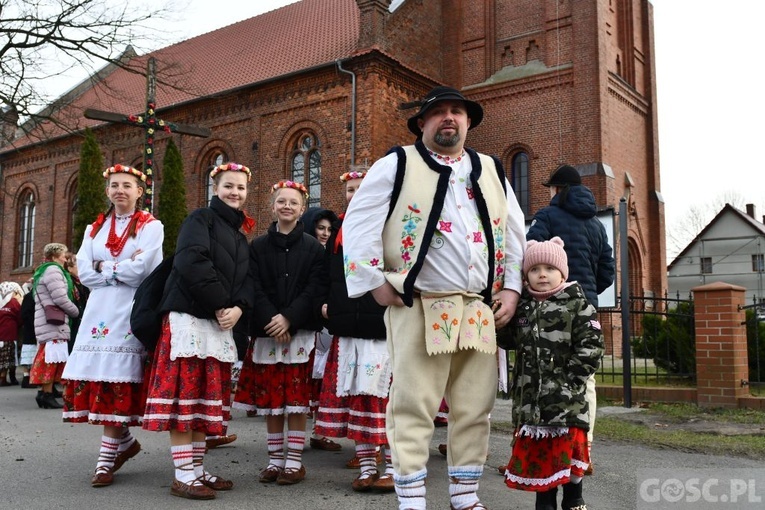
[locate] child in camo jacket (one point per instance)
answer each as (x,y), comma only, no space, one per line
(558,345)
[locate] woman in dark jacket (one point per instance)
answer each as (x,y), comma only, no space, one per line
(358,372)
(29,345)
(206,294)
(286,265)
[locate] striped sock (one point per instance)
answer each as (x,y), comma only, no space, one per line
(126,441)
(276,449)
(410,490)
(463,486)
(198,457)
(183,459)
(388,461)
(108,452)
(367,454)
(295,445)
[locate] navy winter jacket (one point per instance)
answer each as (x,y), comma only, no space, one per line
(571,216)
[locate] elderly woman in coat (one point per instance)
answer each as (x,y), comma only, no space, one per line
(53,291)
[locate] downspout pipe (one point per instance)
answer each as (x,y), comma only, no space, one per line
(353,109)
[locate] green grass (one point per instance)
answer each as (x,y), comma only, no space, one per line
(710,444)
(619,429)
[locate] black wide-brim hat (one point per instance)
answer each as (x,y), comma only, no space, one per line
(474,110)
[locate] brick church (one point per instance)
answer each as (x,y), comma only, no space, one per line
(310,89)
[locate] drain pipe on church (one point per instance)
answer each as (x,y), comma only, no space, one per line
(353,109)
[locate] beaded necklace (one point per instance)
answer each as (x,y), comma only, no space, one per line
(114,243)
(448,160)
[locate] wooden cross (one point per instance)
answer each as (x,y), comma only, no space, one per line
(149,122)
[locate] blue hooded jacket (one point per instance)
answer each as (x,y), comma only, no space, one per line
(571,216)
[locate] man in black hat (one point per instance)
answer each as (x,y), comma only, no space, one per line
(435,233)
(571,216)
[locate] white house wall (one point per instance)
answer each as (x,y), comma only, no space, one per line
(730,242)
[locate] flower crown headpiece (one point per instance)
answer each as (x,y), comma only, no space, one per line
(290,184)
(347,176)
(234,167)
(125,170)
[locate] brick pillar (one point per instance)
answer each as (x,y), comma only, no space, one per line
(721,357)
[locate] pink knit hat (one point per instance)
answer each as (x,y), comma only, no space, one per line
(547,252)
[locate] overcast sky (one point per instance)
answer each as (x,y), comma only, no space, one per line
(711,110)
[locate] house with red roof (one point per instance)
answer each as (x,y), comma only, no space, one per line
(311,89)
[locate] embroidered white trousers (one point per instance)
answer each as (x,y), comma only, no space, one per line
(468,380)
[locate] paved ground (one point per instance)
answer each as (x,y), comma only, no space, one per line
(45,464)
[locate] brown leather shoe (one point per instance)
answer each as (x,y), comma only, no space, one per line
(384,484)
(128,454)
(216,482)
(502,470)
(442,449)
(291,476)
(193,490)
(364,483)
(103,477)
(269,474)
(325,443)
(590,469)
(215,442)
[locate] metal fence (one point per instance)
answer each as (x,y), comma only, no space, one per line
(662,338)
(755,342)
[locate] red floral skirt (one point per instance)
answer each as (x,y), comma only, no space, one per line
(540,464)
(357,417)
(275,388)
(187,394)
(42,372)
(104,403)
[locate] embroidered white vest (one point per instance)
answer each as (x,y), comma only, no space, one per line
(412,221)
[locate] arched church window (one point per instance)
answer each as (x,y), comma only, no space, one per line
(216,158)
(26,235)
(520,180)
(305,165)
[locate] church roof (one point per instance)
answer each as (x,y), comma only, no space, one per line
(296,37)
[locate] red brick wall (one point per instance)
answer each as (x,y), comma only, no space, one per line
(721,354)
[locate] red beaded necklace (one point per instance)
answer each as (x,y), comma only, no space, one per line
(447,159)
(114,243)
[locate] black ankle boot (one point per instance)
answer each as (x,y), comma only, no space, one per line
(12,376)
(48,401)
(38,398)
(547,500)
(572,497)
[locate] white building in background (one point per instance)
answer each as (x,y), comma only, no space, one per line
(730,249)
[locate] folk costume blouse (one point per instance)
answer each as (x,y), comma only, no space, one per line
(457,258)
(105,349)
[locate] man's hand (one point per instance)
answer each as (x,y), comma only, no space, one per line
(504,306)
(386,295)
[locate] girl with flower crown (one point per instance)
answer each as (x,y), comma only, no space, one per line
(286,265)
(357,377)
(104,373)
(207,293)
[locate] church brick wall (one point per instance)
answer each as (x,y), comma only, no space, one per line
(574,108)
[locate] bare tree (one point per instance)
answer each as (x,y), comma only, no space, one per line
(42,40)
(698,216)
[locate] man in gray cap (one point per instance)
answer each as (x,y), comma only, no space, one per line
(436,235)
